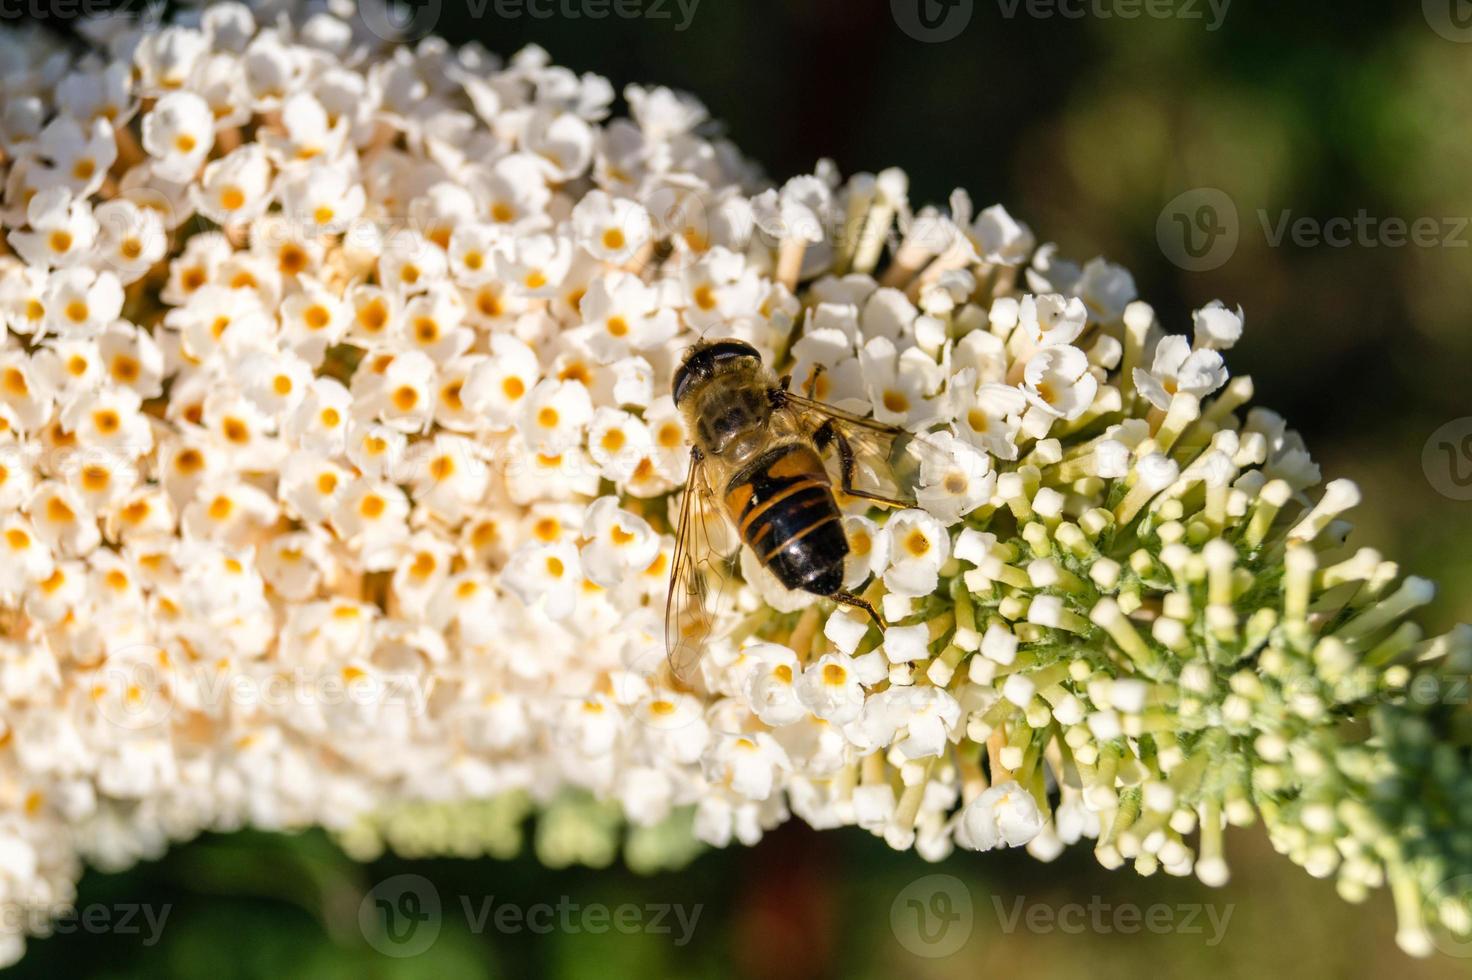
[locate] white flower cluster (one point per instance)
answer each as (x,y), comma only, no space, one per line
(338,466)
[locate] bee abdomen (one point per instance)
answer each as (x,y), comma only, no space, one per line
(784,508)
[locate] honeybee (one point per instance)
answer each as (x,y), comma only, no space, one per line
(757,462)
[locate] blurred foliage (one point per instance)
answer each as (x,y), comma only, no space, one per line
(1085,128)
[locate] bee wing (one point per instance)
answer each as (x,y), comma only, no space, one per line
(887,459)
(700,573)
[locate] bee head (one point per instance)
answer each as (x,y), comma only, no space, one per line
(707,357)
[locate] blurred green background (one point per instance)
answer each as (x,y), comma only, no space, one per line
(1086,128)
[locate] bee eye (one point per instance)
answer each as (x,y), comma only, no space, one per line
(682,378)
(701,361)
(724,350)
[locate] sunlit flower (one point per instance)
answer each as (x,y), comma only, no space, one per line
(331,360)
(1177,368)
(179,132)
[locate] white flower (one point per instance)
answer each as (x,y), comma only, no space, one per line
(988,414)
(372,516)
(1004,815)
(771,687)
(411,264)
(312,486)
(867,550)
(433,324)
(1106,289)
(63,230)
(309,135)
(916,720)
(622,314)
(275,383)
(554,415)
(312,320)
(80,154)
(236,187)
(513,192)
(917,545)
(27,559)
(81,302)
(179,131)
(323,196)
(131,238)
(405,392)
(498,387)
(320,422)
(955,479)
(901,386)
(612,229)
(1051,320)
(1058,382)
(22,298)
(829,688)
(619,544)
(545,575)
(748,764)
(62,520)
(618,442)
(1217,327)
(1177,368)
(112,419)
(1000,238)
(798,212)
(537,264)
(165,58)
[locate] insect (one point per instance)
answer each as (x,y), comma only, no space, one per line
(757,461)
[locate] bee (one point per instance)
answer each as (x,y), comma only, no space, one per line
(757,461)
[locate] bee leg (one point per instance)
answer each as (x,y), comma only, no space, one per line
(829,432)
(849,599)
(812,381)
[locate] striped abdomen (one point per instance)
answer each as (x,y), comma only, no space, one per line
(783,506)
